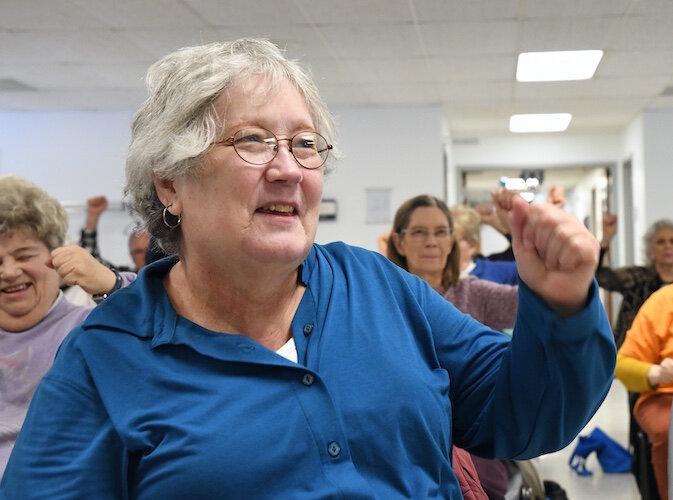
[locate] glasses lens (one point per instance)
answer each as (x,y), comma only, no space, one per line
(310,149)
(422,234)
(255,145)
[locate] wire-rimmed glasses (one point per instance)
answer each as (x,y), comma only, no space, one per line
(421,234)
(258,146)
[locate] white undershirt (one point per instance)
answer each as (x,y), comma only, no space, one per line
(289,350)
(468,269)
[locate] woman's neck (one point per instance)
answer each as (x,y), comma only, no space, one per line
(259,302)
(433,279)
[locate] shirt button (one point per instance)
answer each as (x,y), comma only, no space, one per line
(308,328)
(334,449)
(308,379)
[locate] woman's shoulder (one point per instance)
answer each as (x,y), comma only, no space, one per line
(366,268)
(478,284)
(660,301)
(135,308)
(68,312)
(350,255)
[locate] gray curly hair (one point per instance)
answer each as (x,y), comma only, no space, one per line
(178,122)
(652,231)
(26,207)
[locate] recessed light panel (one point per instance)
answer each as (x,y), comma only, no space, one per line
(557,66)
(541,122)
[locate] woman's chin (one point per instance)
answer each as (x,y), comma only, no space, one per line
(279,250)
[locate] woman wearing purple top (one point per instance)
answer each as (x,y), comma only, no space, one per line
(423,242)
(34,315)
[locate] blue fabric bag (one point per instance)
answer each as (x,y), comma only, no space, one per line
(612,456)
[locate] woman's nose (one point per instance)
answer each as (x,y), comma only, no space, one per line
(9,270)
(284,166)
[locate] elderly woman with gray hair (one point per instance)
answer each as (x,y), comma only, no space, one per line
(636,283)
(34,314)
(259,364)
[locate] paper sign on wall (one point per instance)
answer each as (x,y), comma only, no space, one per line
(378,205)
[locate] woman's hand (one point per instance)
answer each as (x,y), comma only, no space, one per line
(556,256)
(94,208)
(382,242)
(660,374)
(502,201)
(609,229)
(76,266)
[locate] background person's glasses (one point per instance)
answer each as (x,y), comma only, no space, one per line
(422,234)
(259,146)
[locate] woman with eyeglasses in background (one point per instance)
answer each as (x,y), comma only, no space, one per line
(423,242)
(259,364)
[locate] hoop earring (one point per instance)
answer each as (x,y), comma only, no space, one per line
(171,226)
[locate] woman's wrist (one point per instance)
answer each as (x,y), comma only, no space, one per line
(118,282)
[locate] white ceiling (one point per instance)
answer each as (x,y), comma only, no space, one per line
(92,54)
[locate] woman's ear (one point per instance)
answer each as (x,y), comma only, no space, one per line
(168,195)
(397,241)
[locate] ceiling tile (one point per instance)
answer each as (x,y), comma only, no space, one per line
(648,32)
(125,14)
(45,15)
(659,8)
(325,12)
(496,37)
(73,46)
(386,41)
(635,62)
(248,13)
(467,68)
(576,8)
(565,34)
(431,11)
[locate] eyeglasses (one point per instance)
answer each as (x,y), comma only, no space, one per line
(421,234)
(259,146)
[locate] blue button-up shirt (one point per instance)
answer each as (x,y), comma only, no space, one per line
(143,403)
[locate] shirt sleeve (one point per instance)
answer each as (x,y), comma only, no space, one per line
(88,240)
(633,373)
(534,394)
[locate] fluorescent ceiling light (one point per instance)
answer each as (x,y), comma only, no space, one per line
(542,122)
(557,66)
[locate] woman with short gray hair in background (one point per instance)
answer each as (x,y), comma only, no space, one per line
(636,283)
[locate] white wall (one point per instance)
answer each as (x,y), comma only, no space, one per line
(78,155)
(634,148)
(74,156)
(648,143)
(398,148)
(658,163)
